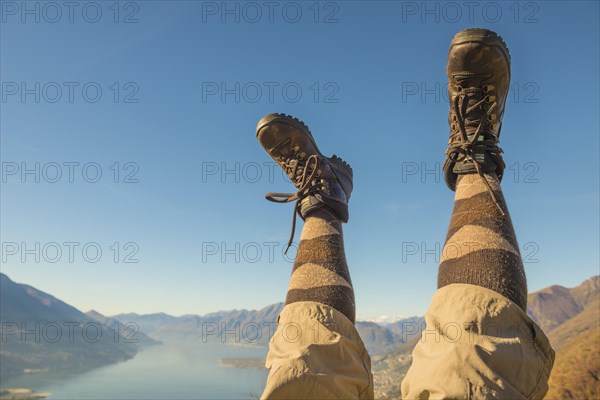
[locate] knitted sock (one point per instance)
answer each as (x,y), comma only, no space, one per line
(320,271)
(481,247)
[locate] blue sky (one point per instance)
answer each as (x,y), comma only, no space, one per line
(168,94)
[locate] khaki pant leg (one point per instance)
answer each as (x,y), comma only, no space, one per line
(316,353)
(478,345)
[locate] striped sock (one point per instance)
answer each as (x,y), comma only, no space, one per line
(320,271)
(481,247)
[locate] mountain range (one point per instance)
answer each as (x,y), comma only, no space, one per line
(41,333)
(255,327)
(29,317)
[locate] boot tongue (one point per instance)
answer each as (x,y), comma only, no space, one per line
(470,82)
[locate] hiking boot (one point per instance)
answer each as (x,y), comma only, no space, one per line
(322,182)
(478,73)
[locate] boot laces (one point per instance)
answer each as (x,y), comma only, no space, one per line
(474,115)
(304,175)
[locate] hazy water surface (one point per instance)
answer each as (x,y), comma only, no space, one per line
(174,370)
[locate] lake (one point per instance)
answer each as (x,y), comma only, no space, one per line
(174,370)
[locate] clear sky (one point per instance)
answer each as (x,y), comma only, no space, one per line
(162,99)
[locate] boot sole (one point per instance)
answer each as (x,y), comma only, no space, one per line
(289,120)
(485,36)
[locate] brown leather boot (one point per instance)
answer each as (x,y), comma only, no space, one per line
(322,182)
(478,73)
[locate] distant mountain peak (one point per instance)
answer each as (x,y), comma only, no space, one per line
(552,306)
(386,319)
(95,314)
